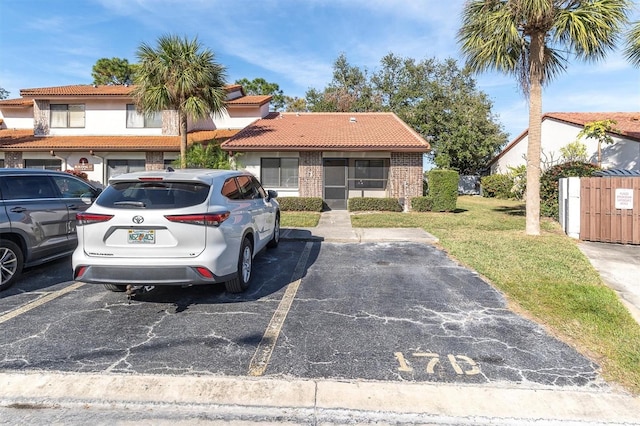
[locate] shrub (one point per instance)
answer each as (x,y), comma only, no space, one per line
(443,189)
(300,204)
(374,204)
(497,186)
(421,204)
(549,184)
(78,173)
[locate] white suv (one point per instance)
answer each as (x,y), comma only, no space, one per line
(176,227)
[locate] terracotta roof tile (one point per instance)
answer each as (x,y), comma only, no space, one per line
(24,140)
(328,131)
(627,123)
(91,90)
(16,103)
(250,100)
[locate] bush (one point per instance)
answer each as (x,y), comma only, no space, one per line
(443,189)
(374,204)
(549,184)
(421,204)
(300,204)
(497,186)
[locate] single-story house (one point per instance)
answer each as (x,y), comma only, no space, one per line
(562,128)
(97,130)
(335,156)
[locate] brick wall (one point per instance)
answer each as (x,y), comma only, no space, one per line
(41,114)
(405,167)
(154,161)
(13,160)
(310,174)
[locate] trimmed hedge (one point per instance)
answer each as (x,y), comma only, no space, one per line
(497,186)
(374,204)
(443,189)
(300,204)
(549,184)
(421,204)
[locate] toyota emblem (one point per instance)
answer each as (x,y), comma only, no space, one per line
(138,219)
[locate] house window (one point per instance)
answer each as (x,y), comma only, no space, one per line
(369,174)
(43,164)
(279,172)
(67,115)
(136,119)
(118,167)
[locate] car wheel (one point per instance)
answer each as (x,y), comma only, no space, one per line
(11,262)
(245,261)
(115,287)
(276,234)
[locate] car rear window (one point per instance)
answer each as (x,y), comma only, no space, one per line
(153,195)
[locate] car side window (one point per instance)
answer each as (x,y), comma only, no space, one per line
(230,189)
(72,188)
(27,187)
(261,191)
(247,188)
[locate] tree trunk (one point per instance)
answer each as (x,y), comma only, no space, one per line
(183,140)
(535,134)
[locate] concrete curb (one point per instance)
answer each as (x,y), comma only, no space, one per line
(429,400)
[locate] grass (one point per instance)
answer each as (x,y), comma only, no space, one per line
(299,219)
(546,276)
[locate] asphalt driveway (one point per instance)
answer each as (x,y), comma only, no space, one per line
(399,312)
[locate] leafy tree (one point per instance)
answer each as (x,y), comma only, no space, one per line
(4,94)
(531,40)
(295,104)
(260,86)
(207,155)
(113,71)
(180,75)
(598,130)
(574,151)
(437,99)
(632,51)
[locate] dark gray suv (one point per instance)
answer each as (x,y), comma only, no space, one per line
(38,217)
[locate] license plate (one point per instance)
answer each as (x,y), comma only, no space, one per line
(142,236)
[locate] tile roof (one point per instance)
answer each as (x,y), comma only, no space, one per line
(627,123)
(91,90)
(328,132)
(250,100)
(16,103)
(24,140)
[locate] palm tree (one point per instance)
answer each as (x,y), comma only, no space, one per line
(179,75)
(632,50)
(532,40)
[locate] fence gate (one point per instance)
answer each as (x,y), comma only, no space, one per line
(610,209)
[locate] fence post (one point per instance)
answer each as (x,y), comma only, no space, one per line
(569,206)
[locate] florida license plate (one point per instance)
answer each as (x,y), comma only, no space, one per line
(142,236)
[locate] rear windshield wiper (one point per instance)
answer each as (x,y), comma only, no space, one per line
(130,203)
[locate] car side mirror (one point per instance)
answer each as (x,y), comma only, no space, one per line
(271,194)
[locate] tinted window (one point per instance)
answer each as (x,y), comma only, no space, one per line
(153,195)
(27,187)
(230,189)
(72,188)
(248,188)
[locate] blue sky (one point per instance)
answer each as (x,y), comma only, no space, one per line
(290,42)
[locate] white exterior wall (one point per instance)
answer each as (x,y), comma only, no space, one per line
(622,154)
(106,117)
(17,118)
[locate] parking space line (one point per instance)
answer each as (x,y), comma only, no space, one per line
(39,302)
(261,358)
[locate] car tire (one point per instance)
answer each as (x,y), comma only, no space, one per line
(115,287)
(245,263)
(11,263)
(276,234)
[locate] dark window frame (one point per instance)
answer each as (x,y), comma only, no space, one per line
(68,112)
(282,182)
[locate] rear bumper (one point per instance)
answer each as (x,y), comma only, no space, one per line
(145,275)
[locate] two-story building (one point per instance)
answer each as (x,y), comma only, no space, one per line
(97,130)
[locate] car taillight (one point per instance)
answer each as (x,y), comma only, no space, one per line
(206,219)
(89,218)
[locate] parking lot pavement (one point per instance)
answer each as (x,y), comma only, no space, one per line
(373,316)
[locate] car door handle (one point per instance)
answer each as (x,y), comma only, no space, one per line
(72,207)
(18,209)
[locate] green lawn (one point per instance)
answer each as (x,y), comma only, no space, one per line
(547,277)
